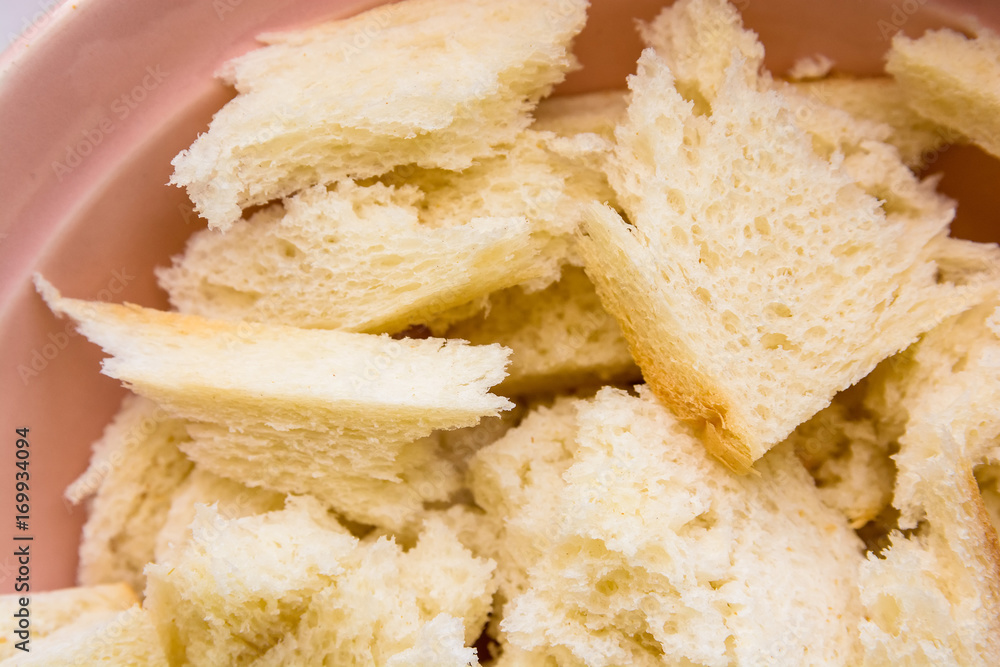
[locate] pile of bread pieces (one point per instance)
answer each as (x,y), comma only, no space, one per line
(459,373)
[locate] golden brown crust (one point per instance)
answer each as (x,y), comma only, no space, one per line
(667,367)
(988,542)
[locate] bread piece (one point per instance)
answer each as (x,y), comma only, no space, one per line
(698,40)
(949,381)
(284,408)
(437,589)
(53,610)
(849,458)
(811,67)
(124,639)
(240,585)
(464,93)
(379,258)
(701,41)
(231,499)
(560,337)
(753,287)
(935,597)
(881,99)
(134,471)
(624,542)
(253,376)
(293,587)
(379,483)
(952,80)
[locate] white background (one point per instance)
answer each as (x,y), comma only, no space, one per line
(15,13)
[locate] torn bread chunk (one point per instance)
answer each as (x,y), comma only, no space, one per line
(136,468)
(54,610)
(881,100)
(379,258)
(753,287)
(292,127)
(934,596)
(948,380)
(231,500)
(624,543)
(952,80)
(560,337)
(278,402)
(294,587)
(126,638)
(376,482)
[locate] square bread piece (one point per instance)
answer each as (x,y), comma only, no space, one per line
(425,90)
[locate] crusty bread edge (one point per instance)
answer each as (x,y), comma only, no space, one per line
(607,245)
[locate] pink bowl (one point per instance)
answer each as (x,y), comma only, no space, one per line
(94,105)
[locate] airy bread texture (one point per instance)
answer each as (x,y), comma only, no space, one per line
(133,473)
(371,481)
(622,542)
(123,639)
(294,587)
(560,337)
(231,500)
(292,126)
(379,258)
(54,610)
(756,278)
(948,382)
(952,80)
(933,596)
(881,100)
(934,599)
(330,413)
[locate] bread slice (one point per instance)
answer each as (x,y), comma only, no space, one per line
(201,369)
(935,596)
(135,470)
(376,482)
(232,500)
(380,258)
(560,337)
(952,80)
(53,610)
(949,381)
(700,42)
(756,279)
(424,90)
(624,542)
(125,638)
(293,587)
(285,408)
(881,100)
